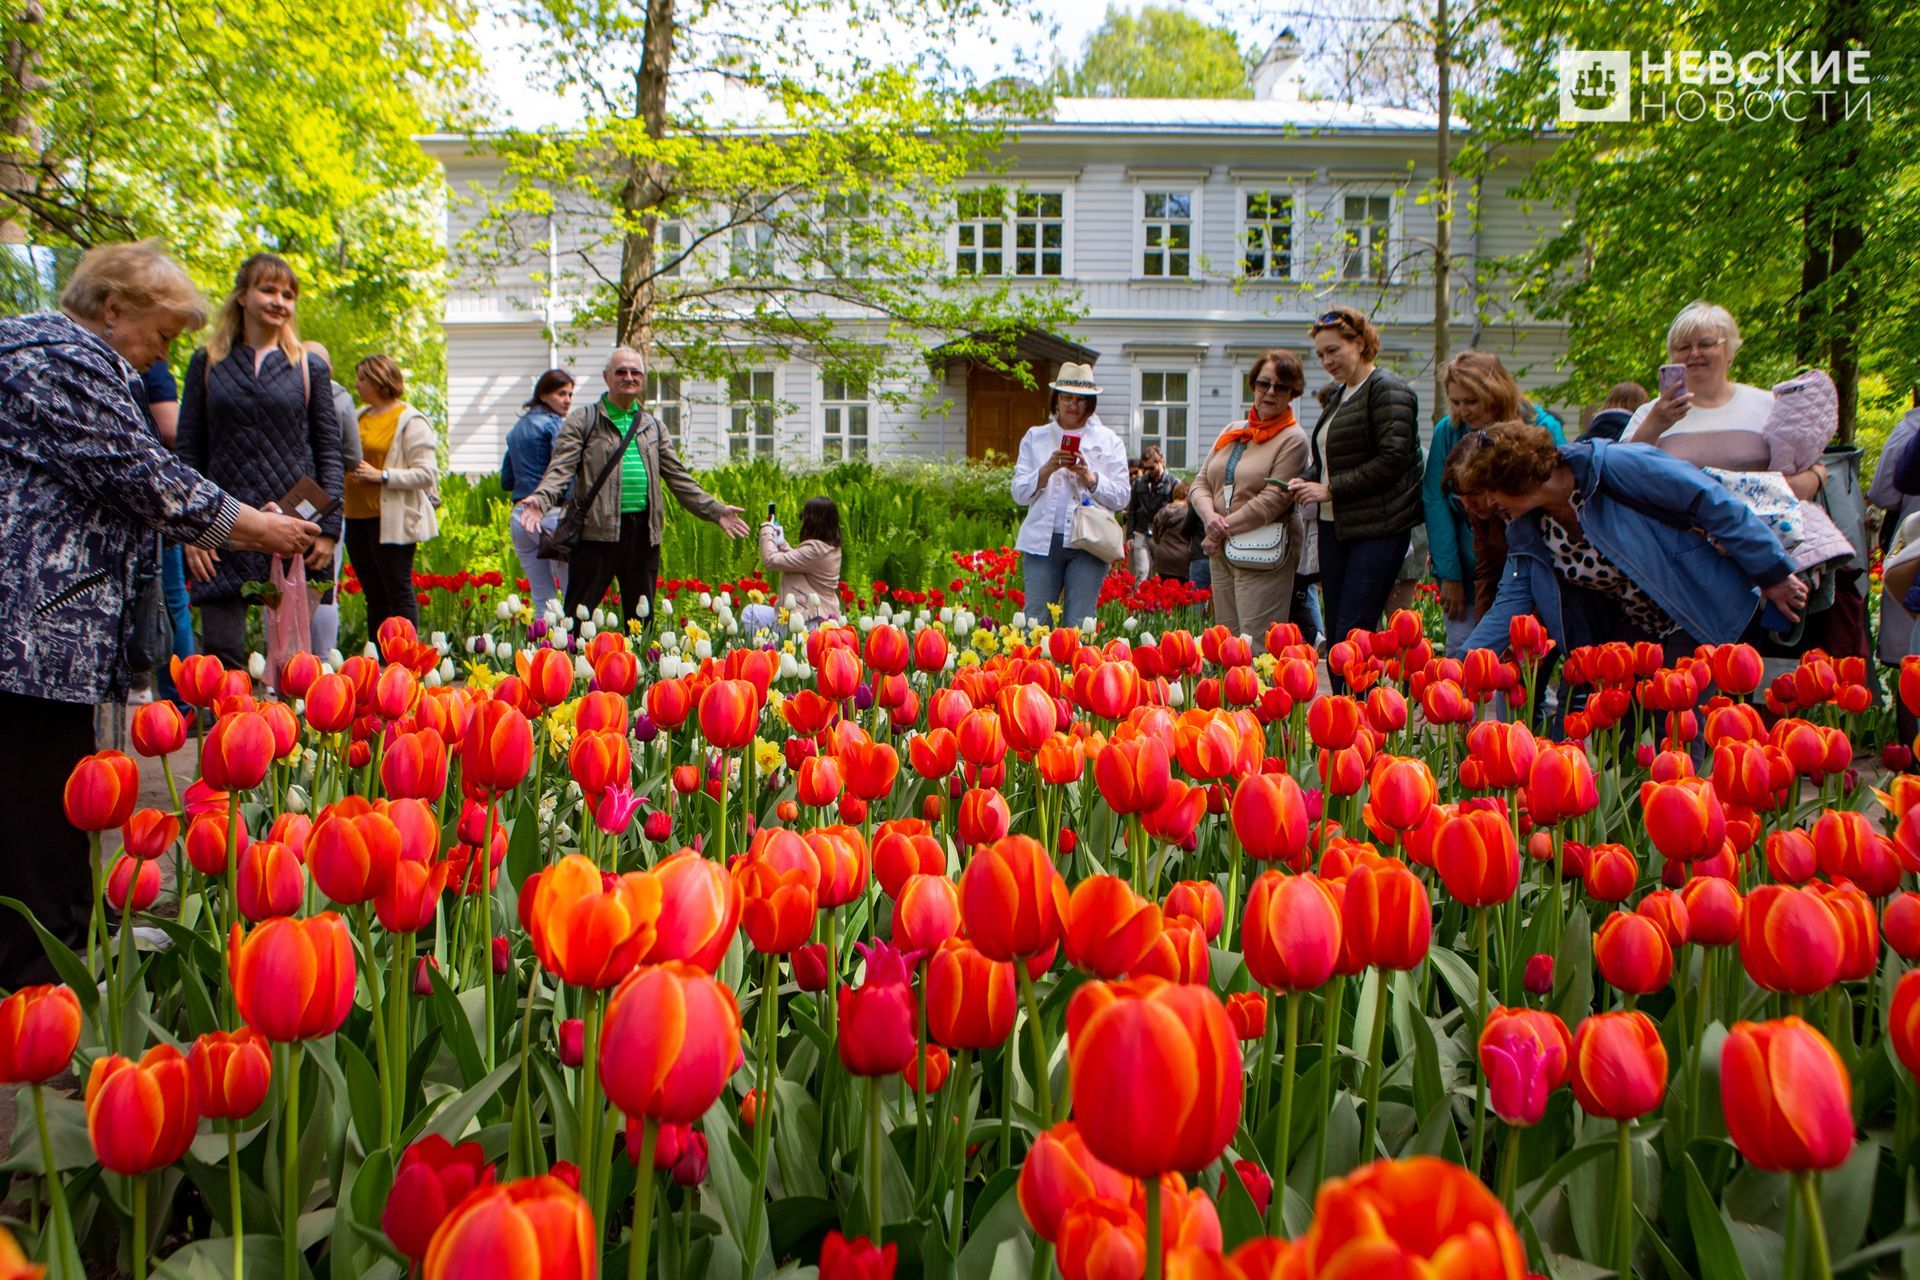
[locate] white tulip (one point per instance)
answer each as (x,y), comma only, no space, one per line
(1147,637)
(804,671)
(513,602)
(645,607)
(504,610)
(1088,624)
(506,653)
(332,664)
(866,622)
(580,612)
(432,679)
(789,668)
(587,630)
(666,608)
(1019,622)
(946,613)
(257,665)
(703,649)
(582,669)
(1176,696)
(706,599)
(296,798)
(1131,624)
(438,640)
(372,651)
(447,670)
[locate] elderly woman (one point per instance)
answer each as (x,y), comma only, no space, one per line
(88,486)
(1241,489)
(1069,459)
(1620,542)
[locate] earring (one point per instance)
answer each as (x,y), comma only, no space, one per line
(107,333)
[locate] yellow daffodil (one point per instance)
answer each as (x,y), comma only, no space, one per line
(766,756)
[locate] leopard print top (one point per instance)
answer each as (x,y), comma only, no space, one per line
(1578,561)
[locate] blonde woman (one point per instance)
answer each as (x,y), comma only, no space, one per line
(390,495)
(256,417)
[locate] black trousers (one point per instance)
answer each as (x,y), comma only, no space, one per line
(634,560)
(43,859)
(385,570)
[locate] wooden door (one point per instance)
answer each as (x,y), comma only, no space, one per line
(999,411)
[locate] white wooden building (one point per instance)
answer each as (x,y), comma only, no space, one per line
(1196,233)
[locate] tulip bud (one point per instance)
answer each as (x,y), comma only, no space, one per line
(1539,974)
(423,977)
(810,967)
(1257,1181)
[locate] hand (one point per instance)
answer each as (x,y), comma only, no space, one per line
(1212,543)
(530,517)
(1806,484)
(1308,491)
(367,473)
(200,563)
(265,529)
(1082,472)
(1788,595)
(1217,530)
(320,555)
(1453,600)
(731,524)
(1667,410)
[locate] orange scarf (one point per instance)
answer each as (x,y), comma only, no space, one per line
(1257,430)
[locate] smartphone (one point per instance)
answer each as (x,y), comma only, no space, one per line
(770,510)
(1070,443)
(1673,379)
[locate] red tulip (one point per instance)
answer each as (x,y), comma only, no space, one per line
(1247,1010)
(699,912)
(1132,774)
(497,751)
(1683,818)
(1419,1217)
(1292,932)
(293,979)
(1632,953)
(856,1259)
(231,1072)
(39,1030)
(1108,926)
(1619,1066)
(902,848)
(101,791)
(926,913)
(141,1115)
(1012,898)
(1059,1173)
(1199,901)
(157,729)
(1903,1019)
(1790,940)
(1787,1096)
(269,882)
(877,1017)
(536,1227)
(670,1041)
(149,833)
(1401,791)
(132,878)
(1477,859)
(238,752)
(1386,916)
(433,1177)
(1269,815)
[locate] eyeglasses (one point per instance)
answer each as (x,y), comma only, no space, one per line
(628,373)
(1705,346)
(1334,317)
(1268,384)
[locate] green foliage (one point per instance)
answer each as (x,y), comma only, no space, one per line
(1158,52)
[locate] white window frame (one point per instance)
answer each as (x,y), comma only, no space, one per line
(1009,223)
(654,405)
(1143,190)
(1164,368)
(836,228)
(823,406)
(1296,238)
(734,405)
(759,234)
(1395,196)
(670,248)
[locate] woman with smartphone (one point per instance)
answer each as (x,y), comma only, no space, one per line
(809,588)
(1702,415)
(1070,459)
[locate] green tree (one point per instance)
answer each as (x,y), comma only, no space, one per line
(289,128)
(1159,52)
(731,197)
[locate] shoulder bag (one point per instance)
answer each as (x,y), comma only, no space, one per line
(1258,549)
(1097,533)
(558,542)
(152,640)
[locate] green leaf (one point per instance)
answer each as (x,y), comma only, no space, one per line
(1712,1240)
(363,1093)
(796,1221)
(66,1130)
(1558,1171)
(1573,970)
(1460,978)
(71,968)
(999,1243)
(797,1144)
(1239,1217)
(1846,1197)
(451,1121)
(523,841)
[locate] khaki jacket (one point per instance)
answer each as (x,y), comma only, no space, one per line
(413,480)
(587,442)
(809,573)
(1260,484)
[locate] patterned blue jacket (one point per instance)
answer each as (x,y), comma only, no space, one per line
(85,482)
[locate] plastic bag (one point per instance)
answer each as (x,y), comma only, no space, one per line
(289,620)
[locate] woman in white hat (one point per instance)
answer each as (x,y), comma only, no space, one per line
(1068,460)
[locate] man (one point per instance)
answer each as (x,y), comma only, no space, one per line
(625,519)
(1152,490)
(324,628)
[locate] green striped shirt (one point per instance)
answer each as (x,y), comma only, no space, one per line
(633,467)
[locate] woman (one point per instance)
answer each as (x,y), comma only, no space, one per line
(1608,542)
(529,449)
(1480,392)
(1615,412)
(1243,486)
(809,586)
(391,494)
(1069,459)
(257,417)
(1366,469)
(1174,551)
(87,485)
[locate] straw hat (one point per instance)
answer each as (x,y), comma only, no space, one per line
(1075,380)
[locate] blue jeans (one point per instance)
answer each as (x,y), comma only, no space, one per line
(1066,576)
(1357,576)
(173,582)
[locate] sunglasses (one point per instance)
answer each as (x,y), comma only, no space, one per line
(629,373)
(1268,384)
(1341,318)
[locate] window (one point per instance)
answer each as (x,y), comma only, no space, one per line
(669,249)
(752,250)
(843,418)
(1267,240)
(1366,225)
(664,403)
(750,417)
(1164,412)
(1034,244)
(848,241)
(1169,234)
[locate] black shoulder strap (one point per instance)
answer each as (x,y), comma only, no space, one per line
(633,429)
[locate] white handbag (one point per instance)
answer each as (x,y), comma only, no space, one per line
(1263,548)
(1097,533)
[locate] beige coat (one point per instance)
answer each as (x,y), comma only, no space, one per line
(412,489)
(809,570)
(587,442)
(1260,485)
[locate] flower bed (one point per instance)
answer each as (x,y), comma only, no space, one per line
(932,946)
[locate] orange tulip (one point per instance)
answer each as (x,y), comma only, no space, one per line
(1177,817)
(1292,932)
(409,901)
(231,1072)
(197,677)
(39,1030)
(132,878)
(902,848)
(1903,1018)
(101,791)
(1132,774)
(1401,791)
(293,979)
(1178,953)
(1632,953)
(669,703)
(983,817)
(1199,901)
(1683,818)
(157,729)
(141,1115)
(1012,898)
(1713,911)
(1333,721)
(1791,940)
(1668,910)
(926,913)
(1207,744)
(586,932)
(1060,760)
(1505,752)
(869,768)
(535,1227)
(1619,1066)
(777,907)
(1059,1173)
(1109,927)
(971,998)
(598,761)
(1787,1096)
(1560,785)
(934,753)
(699,912)
(149,833)
(1859,929)
(497,751)
(1386,916)
(842,854)
(1416,1217)
(1611,872)
(394,691)
(269,882)
(1156,1075)
(1269,815)
(352,858)
(930,650)
(1476,857)
(670,1041)
(1110,690)
(729,714)
(1027,716)
(238,752)
(548,674)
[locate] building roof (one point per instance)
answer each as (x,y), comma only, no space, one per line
(1227,114)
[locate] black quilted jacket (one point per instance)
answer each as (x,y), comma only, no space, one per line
(256,437)
(1372,461)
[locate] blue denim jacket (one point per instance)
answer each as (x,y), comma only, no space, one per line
(529,446)
(1449,536)
(1708,589)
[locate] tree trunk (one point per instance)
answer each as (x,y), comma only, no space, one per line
(18,84)
(1442,211)
(1831,232)
(644,186)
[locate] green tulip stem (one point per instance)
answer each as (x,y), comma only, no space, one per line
(122,974)
(139,1243)
(587,1122)
(236,1209)
(1623,1200)
(1154,1228)
(1479,1076)
(399,980)
(1816,1225)
(1376,1045)
(383,1058)
(484,892)
(1329,1067)
(290,1170)
(1509,1165)
(962,1122)
(96,919)
(1233,892)
(1269,1044)
(232,913)
(875,1223)
(1043,1076)
(920,1078)
(1283,1134)
(64,1245)
(643,1200)
(764,1053)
